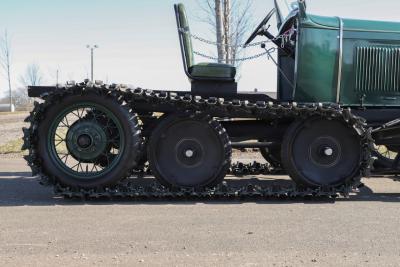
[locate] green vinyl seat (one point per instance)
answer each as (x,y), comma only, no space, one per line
(201,71)
(213,70)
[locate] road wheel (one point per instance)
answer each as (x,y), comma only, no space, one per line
(88,140)
(318,152)
(189,151)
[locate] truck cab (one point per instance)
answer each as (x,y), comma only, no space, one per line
(351,62)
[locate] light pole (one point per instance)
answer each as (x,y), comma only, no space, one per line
(92,48)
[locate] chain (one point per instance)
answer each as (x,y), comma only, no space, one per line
(271,50)
(220,44)
(285,37)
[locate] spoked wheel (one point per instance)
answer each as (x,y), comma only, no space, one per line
(88,141)
(189,152)
(101,119)
(385,158)
(318,152)
(272,155)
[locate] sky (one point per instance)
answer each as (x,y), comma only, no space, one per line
(137,39)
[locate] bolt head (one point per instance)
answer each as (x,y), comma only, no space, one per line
(189,153)
(328,151)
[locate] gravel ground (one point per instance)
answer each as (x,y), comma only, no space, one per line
(11,126)
(38,229)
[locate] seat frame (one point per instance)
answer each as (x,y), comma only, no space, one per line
(204,86)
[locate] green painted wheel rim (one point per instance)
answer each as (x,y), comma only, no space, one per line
(86,141)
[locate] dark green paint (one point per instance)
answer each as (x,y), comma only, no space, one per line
(317,66)
(201,71)
(52,151)
(213,70)
(318,60)
(96,136)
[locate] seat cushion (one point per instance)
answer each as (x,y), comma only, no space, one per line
(213,70)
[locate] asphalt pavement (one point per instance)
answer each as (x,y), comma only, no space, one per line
(38,229)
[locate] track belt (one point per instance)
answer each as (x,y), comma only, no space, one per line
(130,186)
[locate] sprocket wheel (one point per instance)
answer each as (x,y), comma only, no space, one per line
(322,153)
(189,151)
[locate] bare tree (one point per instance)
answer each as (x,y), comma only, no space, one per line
(229,20)
(5,60)
(219,28)
(32,76)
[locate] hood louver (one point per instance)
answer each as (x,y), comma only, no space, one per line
(377,69)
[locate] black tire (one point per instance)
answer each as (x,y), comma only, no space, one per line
(321,153)
(272,155)
(208,143)
(127,160)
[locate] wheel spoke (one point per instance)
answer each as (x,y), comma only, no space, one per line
(76,115)
(63,157)
(61,141)
(86,121)
(94,166)
(66,159)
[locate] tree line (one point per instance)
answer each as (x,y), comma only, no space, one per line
(229,20)
(31,76)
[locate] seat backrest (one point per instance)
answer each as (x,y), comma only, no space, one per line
(184,36)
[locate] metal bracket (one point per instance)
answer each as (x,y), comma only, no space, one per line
(340,60)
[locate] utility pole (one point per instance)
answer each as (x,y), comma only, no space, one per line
(92,48)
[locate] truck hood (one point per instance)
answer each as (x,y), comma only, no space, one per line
(354,25)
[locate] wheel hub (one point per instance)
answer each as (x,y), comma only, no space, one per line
(189,152)
(328,151)
(325,152)
(86,141)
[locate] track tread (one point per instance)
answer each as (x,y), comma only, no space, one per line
(260,110)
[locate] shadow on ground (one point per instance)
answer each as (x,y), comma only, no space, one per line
(19,189)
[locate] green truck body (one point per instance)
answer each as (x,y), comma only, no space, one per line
(346,61)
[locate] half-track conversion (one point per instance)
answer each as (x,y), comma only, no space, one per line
(338,99)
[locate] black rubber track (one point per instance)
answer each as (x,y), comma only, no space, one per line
(206,106)
(131,132)
(213,159)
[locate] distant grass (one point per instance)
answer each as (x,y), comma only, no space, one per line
(13,113)
(12,147)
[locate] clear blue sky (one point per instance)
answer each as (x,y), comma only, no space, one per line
(138,39)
